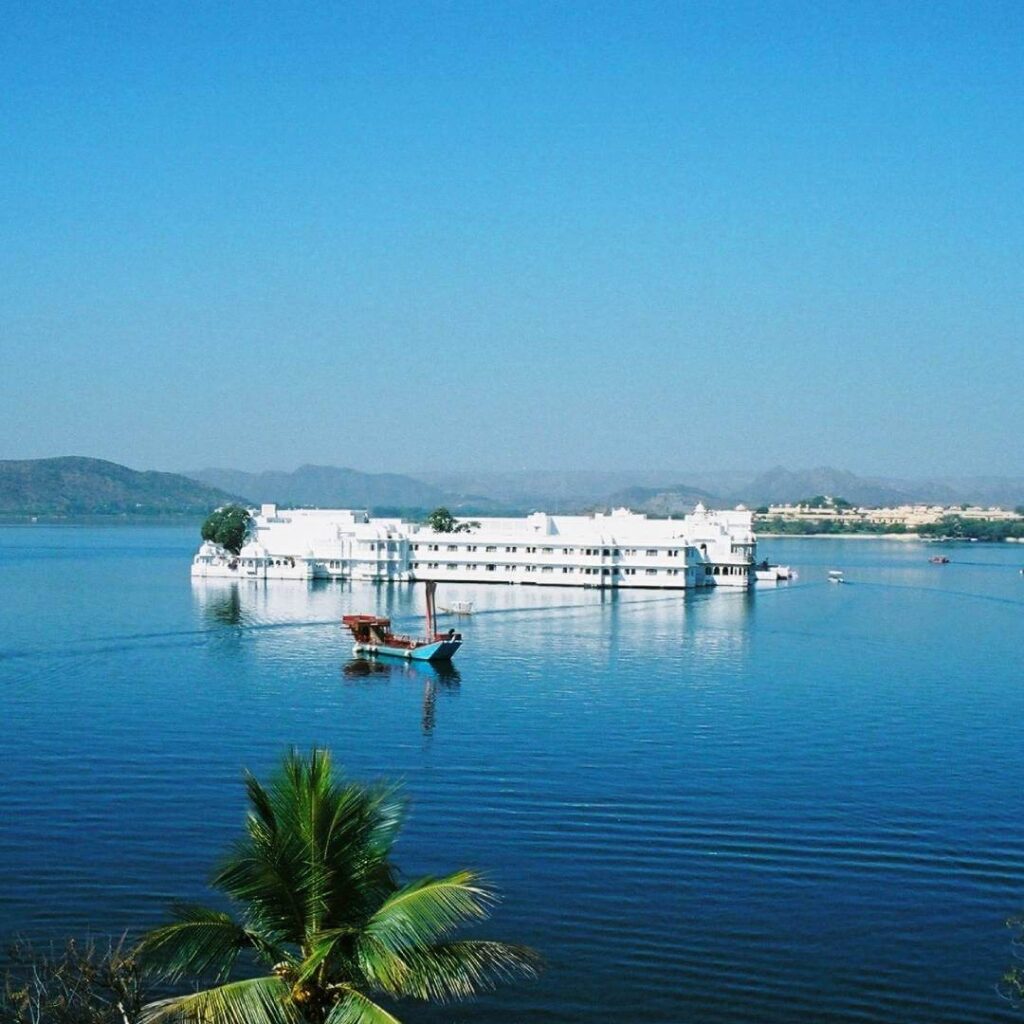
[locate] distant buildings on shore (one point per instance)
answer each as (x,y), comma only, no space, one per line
(908,517)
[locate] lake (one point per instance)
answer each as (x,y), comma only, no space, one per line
(801,804)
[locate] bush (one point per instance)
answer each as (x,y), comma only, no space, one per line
(82,983)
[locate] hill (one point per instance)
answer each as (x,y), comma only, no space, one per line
(780,485)
(664,501)
(326,487)
(79,486)
(550,490)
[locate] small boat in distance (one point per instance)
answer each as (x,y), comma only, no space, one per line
(836,576)
(373,635)
(939,560)
(765,573)
(459,608)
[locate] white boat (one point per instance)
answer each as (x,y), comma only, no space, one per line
(459,608)
(836,576)
(765,573)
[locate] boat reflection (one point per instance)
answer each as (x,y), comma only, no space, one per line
(436,678)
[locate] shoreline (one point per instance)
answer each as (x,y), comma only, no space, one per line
(886,536)
(841,536)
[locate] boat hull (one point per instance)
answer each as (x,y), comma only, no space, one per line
(440,650)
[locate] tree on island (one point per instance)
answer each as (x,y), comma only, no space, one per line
(442,521)
(322,907)
(229,527)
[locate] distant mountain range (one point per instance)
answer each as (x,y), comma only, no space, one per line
(81,486)
(664,501)
(325,487)
(77,486)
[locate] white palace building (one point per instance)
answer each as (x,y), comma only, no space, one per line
(607,550)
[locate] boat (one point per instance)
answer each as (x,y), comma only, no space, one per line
(373,635)
(836,576)
(459,608)
(939,560)
(765,573)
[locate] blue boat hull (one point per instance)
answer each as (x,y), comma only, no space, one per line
(441,650)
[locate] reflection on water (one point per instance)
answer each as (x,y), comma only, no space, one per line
(435,676)
(224,607)
(361,668)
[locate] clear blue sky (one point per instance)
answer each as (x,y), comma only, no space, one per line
(514,235)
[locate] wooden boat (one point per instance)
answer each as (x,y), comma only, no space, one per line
(373,635)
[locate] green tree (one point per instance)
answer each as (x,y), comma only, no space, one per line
(228,526)
(441,520)
(322,907)
(818,501)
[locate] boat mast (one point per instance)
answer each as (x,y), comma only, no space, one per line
(431,586)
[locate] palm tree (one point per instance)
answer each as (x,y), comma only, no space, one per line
(322,907)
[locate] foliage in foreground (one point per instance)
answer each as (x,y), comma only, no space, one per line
(321,907)
(1011,986)
(228,526)
(82,983)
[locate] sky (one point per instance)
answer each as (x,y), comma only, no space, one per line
(436,236)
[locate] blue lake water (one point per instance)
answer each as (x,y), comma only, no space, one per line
(797,805)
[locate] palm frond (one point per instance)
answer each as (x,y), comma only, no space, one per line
(427,910)
(357,1008)
(322,948)
(459,970)
(264,876)
(315,853)
(200,941)
(254,1001)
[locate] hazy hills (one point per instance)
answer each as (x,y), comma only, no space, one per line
(81,486)
(660,493)
(325,487)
